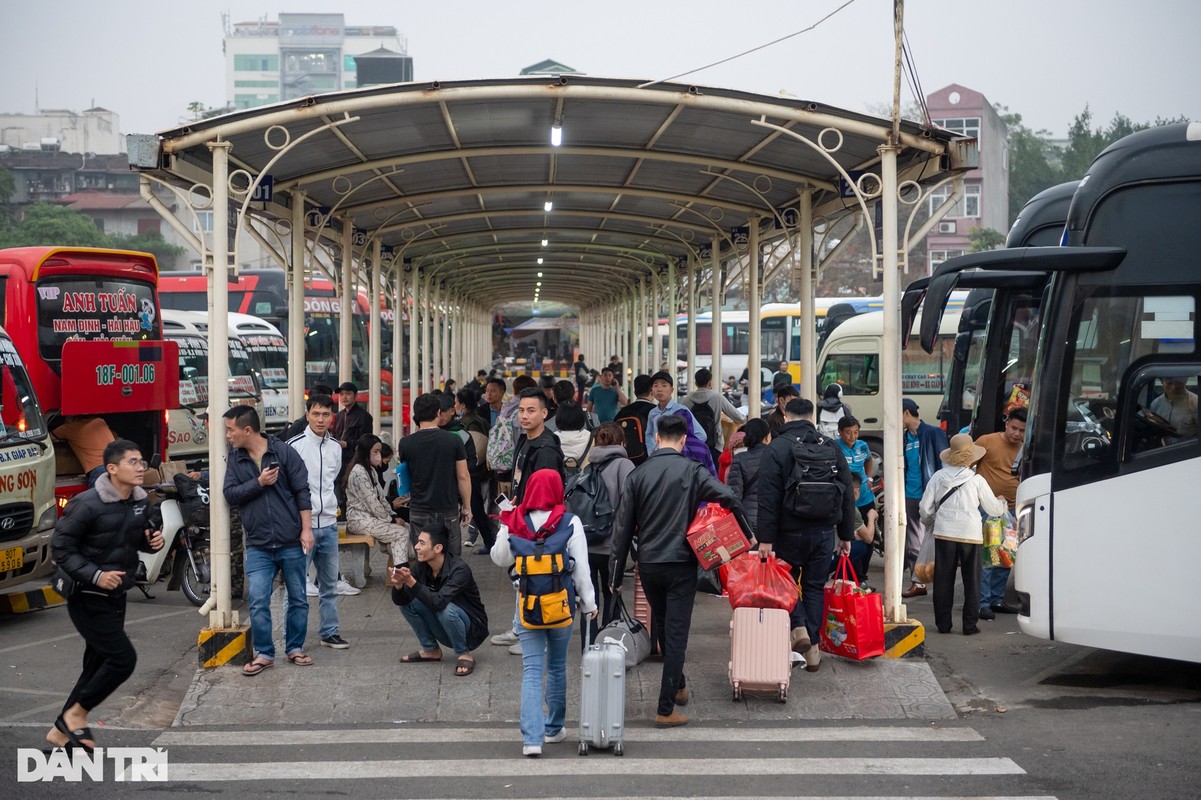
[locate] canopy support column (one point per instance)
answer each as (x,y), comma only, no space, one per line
(297,379)
(751,286)
(804,247)
(672,334)
(414,318)
(375,352)
(398,336)
(693,273)
(718,296)
(345,351)
(427,366)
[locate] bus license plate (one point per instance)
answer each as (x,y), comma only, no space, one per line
(12,558)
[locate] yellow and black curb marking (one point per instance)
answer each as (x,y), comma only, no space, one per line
(904,640)
(224,646)
(33,600)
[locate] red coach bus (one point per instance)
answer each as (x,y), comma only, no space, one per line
(263,293)
(86,322)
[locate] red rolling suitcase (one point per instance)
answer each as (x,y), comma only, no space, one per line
(760,657)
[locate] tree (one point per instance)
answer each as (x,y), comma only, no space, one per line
(985,239)
(45,224)
(1030,170)
(149,242)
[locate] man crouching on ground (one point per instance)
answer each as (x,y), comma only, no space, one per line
(658,504)
(441,602)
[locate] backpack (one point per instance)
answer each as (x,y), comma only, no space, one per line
(632,427)
(542,570)
(704,416)
(827,422)
(572,466)
(502,445)
(588,498)
(813,490)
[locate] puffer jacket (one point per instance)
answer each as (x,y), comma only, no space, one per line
(100,532)
(743,480)
(774,521)
(367,510)
(958,517)
(657,505)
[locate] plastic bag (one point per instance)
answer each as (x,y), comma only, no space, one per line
(716,536)
(923,568)
(853,622)
(757,581)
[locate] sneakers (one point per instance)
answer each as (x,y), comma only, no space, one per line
(335,641)
(345,588)
(798,660)
(515,649)
(682,697)
(987,613)
(505,639)
(555,739)
(531,750)
(311,589)
(673,720)
(813,659)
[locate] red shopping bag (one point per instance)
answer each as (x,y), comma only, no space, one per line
(757,581)
(716,536)
(853,623)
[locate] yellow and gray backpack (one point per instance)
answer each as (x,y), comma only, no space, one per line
(543,573)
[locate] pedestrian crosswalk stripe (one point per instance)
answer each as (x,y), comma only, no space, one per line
(290,738)
(567,767)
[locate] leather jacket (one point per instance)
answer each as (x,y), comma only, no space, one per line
(657,505)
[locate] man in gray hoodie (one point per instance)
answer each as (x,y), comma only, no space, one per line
(718,405)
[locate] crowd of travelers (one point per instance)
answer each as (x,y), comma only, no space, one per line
(513,471)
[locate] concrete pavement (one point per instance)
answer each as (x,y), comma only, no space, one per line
(368,684)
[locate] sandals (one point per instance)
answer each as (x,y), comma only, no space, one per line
(75,738)
(257,666)
(416,656)
(464,667)
(300,660)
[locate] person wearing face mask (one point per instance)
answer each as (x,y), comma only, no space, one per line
(367,510)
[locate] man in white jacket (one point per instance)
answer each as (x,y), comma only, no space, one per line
(951,504)
(323,458)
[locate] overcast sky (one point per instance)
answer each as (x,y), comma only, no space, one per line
(1045,59)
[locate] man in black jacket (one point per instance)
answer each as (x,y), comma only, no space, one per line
(267,482)
(96,542)
(657,505)
(537,448)
(441,602)
(807,543)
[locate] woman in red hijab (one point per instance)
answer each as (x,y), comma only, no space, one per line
(542,521)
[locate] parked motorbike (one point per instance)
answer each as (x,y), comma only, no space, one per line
(184,557)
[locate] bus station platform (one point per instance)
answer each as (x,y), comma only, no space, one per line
(368,684)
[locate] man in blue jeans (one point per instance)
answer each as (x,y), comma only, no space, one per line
(322,457)
(441,602)
(268,483)
(804,540)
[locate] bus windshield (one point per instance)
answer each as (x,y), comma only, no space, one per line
(241,374)
(93,308)
(269,356)
(19,408)
(193,371)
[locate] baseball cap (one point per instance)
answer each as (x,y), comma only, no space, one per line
(663,376)
(908,405)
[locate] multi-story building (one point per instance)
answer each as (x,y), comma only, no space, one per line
(304,54)
(96,130)
(985,203)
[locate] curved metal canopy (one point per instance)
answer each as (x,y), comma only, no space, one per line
(454,176)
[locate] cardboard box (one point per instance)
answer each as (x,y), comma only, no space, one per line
(716,537)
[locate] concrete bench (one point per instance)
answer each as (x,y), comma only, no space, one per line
(359,549)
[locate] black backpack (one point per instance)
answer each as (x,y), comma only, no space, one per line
(813,490)
(588,498)
(634,430)
(704,416)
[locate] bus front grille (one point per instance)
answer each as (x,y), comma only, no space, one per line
(16,521)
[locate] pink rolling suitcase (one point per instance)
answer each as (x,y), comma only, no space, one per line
(760,657)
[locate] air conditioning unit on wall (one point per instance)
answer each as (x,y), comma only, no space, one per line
(946,227)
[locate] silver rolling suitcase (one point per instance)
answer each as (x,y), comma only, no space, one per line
(602,698)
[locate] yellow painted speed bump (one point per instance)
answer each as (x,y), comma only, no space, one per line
(33,600)
(221,646)
(904,639)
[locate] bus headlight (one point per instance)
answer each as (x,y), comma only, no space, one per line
(1025,523)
